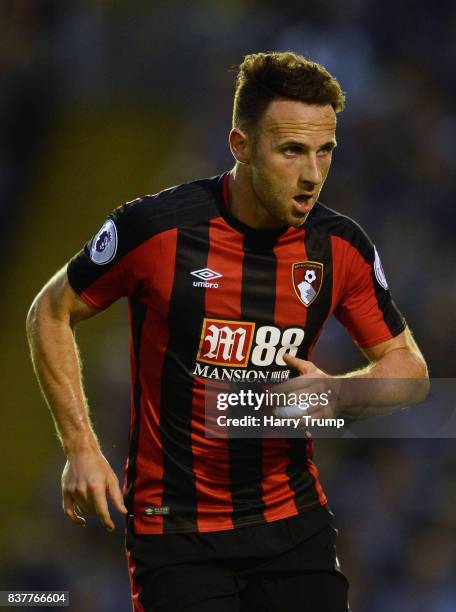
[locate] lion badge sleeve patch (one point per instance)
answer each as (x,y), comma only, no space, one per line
(104,245)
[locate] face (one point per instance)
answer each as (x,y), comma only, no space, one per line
(289,159)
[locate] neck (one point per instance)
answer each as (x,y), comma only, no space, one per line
(245,204)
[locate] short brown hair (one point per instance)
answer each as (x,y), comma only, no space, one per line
(264,77)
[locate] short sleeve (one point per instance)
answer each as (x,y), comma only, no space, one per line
(101,272)
(366,308)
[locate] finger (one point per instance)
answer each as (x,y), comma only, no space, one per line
(302,366)
(116,496)
(100,505)
(300,383)
(68,505)
(82,503)
(316,413)
(289,412)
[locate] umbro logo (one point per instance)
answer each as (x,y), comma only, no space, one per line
(206,275)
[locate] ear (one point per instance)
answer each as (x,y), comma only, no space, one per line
(240,145)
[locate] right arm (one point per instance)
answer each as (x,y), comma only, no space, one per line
(87,477)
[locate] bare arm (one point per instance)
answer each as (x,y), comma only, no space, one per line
(400,377)
(87,476)
(396,376)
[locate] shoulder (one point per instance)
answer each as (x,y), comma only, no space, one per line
(336,224)
(174,207)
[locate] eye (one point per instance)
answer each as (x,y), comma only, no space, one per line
(291,150)
(325,151)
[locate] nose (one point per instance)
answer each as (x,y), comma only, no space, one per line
(310,173)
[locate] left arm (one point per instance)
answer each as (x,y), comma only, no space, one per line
(396,376)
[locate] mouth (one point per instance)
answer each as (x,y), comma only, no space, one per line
(303,203)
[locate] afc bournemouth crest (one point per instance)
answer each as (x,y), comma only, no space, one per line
(307,280)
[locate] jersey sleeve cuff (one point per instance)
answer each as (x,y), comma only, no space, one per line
(82,294)
(393,333)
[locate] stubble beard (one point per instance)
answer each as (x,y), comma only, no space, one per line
(271,200)
(276,206)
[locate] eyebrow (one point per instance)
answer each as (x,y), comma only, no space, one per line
(331,144)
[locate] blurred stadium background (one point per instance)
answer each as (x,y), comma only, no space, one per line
(102,101)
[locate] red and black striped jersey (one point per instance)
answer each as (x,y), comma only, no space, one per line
(213,299)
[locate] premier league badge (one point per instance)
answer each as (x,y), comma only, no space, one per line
(307,280)
(104,245)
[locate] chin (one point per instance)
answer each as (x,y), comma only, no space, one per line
(293,221)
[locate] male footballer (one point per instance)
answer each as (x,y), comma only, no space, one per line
(229,278)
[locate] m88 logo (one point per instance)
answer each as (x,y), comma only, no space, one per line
(236,343)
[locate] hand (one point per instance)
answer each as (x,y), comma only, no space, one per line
(86,479)
(311,380)
(305,368)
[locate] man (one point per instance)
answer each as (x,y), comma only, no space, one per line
(228,278)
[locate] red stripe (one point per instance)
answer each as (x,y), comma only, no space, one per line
(278,496)
(211,455)
(211,467)
(106,289)
(148,488)
(119,280)
(225,257)
(358,309)
(135,589)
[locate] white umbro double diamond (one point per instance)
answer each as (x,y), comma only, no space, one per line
(206,275)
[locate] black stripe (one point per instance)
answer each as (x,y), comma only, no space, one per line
(186,312)
(301,481)
(138,316)
(318,248)
(257,304)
